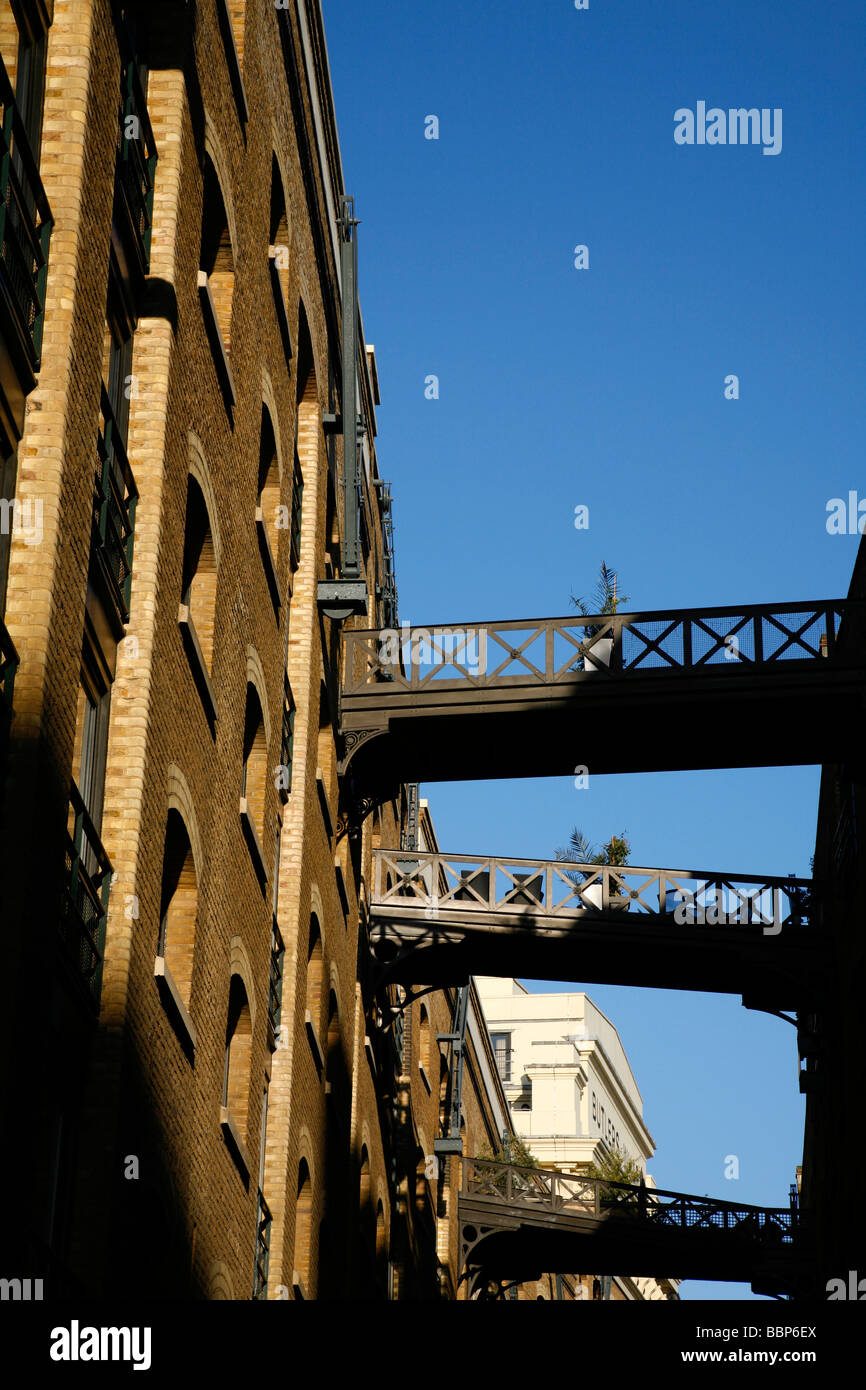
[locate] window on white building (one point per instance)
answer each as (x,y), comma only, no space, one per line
(502,1053)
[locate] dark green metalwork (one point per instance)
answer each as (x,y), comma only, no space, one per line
(84,909)
(25,225)
(263,1249)
(136,159)
(114,502)
(275,984)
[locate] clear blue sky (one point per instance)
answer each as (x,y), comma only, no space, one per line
(605,387)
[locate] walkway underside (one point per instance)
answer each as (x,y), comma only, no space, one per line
(437,919)
(544,1221)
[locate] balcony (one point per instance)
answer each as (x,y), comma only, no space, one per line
(287,742)
(114,499)
(275,987)
(263,1250)
(84,908)
(25,231)
(132,220)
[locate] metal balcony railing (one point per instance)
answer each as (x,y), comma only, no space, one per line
(114,500)
(136,162)
(551,1193)
(297,503)
(275,985)
(25,226)
(84,909)
(287,739)
(560,651)
(263,1249)
(452,884)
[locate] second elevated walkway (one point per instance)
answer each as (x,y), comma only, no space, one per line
(438,918)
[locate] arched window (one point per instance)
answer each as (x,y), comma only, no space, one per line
(178,906)
(268,511)
(365,1193)
(333,1043)
(303,1230)
(424,1044)
(217,263)
(239,1043)
(279,252)
(315,965)
(255,773)
(199,572)
(381,1253)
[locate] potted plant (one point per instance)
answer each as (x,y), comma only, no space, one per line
(605,601)
(613,854)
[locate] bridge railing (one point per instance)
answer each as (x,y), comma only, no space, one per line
(571,1194)
(550,651)
(562,888)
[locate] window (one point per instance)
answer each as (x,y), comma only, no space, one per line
(239,1041)
(502,1052)
(303,1231)
(178,907)
(297,501)
(424,1043)
(117,356)
(23,46)
(198,593)
(283,771)
(255,770)
(231,15)
(278,252)
(115,493)
(216,278)
(315,970)
(268,511)
(91,731)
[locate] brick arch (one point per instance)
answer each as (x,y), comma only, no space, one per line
(213,148)
(269,400)
(198,468)
(305,1150)
(240,965)
(317,909)
(333,977)
(180,800)
(256,678)
(277,153)
(219,1282)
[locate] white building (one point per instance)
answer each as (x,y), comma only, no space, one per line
(572,1093)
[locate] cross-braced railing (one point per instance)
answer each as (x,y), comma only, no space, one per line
(548,1191)
(459,883)
(551,651)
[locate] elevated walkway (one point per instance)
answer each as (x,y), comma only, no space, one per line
(760,685)
(439,918)
(517,1222)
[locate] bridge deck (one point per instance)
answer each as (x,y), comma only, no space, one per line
(516,1221)
(437,918)
(754,686)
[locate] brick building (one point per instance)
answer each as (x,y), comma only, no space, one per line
(211,1099)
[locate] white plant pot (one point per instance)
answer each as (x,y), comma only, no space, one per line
(592,895)
(601,654)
